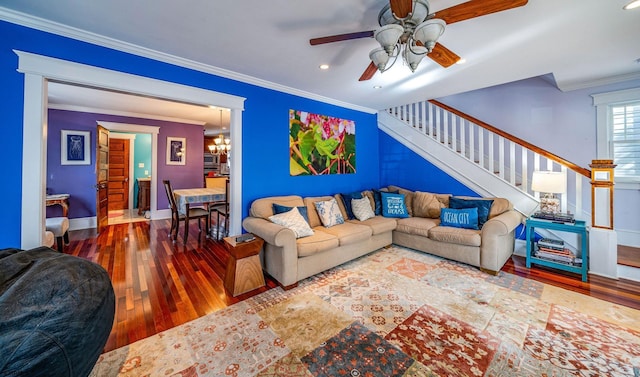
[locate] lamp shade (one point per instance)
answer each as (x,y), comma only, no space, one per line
(428,32)
(413,55)
(379,57)
(388,36)
(549,182)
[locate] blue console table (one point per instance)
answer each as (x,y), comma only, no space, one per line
(578,227)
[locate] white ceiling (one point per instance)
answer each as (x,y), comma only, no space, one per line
(581,43)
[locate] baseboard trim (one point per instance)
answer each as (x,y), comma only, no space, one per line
(628,237)
(629,273)
(83,223)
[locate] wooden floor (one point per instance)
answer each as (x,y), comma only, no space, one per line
(629,256)
(160,284)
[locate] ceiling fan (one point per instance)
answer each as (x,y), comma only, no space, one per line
(408,30)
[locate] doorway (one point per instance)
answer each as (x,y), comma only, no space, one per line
(129,169)
(38,70)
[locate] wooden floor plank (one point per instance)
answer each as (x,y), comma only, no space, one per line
(160,284)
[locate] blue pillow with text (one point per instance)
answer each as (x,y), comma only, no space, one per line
(483,206)
(459,218)
(393,205)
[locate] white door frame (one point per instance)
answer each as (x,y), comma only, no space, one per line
(38,70)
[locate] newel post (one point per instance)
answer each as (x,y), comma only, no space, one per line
(603,240)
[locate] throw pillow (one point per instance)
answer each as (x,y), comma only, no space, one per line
(278,208)
(346,199)
(483,205)
(377,200)
(459,218)
(329,213)
(393,205)
(294,221)
(362,209)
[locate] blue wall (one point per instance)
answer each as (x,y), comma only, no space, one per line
(402,167)
(265,122)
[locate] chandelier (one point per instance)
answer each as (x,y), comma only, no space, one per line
(411,37)
(221,144)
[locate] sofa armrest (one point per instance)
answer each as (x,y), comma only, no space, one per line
(498,240)
(271,233)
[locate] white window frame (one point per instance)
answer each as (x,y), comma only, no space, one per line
(603,103)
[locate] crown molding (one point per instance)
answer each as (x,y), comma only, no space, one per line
(85,109)
(100,40)
(569,86)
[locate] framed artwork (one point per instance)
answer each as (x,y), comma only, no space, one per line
(321,144)
(75,147)
(176,150)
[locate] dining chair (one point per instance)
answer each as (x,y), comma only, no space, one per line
(222,209)
(191,213)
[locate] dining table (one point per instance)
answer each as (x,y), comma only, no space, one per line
(201,195)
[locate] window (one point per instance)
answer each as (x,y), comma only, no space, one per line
(618,134)
(625,139)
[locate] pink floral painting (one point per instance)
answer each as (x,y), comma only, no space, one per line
(321,144)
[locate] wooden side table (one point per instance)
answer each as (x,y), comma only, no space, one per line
(244,270)
(61,200)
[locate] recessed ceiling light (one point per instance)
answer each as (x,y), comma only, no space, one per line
(377,87)
(632,5)
(324,66)
(461,61)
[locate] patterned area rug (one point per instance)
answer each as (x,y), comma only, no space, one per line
(397,312)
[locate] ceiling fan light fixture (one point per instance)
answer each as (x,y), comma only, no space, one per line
(379,57)
(420,12)
(388,36)
(413,56)
(429,31)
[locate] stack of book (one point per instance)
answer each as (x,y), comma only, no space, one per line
(554,250)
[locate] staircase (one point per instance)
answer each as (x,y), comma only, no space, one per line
(485,159)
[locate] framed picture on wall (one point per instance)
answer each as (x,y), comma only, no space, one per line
(75,147)
(176,150)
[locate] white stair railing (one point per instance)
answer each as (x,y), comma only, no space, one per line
(506,156)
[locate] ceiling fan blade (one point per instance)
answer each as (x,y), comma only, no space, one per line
(401,8)
(369,72)
(476,8)
(341,37)
(443,56)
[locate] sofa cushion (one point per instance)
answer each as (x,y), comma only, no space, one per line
(349,232)
(314,220)
(393,205)
(466,218)
(362,208)
(426,204)
(499,206)
(408,197)
(483,206)
(263,208)
(417,225)
(372,200)
(294,221)
(317,243)
(458,236)
(378,224)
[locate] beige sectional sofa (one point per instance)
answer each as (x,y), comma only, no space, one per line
(290,260)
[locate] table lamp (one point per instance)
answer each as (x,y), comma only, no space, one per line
(549,183)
